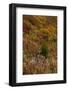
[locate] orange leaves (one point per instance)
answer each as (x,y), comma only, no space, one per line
(39,44)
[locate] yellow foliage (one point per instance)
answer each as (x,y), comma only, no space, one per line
(39,44)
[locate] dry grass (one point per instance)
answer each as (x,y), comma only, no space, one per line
(39,66)
(40,44)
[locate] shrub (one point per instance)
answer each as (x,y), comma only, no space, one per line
(44,50)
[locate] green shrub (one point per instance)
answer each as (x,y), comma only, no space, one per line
(44,50)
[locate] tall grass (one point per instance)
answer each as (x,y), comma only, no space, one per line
(39,44)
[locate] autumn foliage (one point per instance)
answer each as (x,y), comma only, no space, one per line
(39,44)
